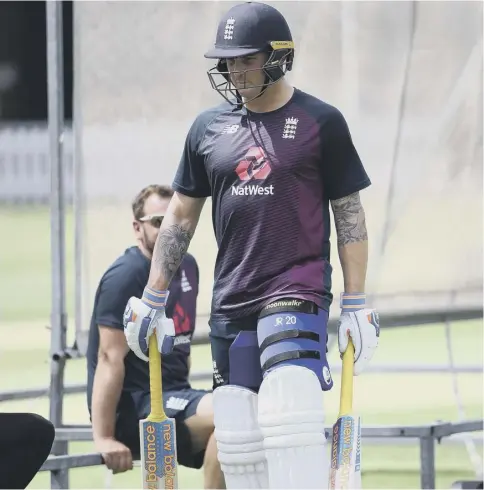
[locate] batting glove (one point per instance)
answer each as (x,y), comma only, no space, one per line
(145,316)
(362,325)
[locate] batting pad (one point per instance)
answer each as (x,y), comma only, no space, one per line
(239,440)
(291,419)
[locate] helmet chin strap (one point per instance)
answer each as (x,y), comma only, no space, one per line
(263,89)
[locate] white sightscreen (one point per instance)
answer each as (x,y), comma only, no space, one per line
(407,76)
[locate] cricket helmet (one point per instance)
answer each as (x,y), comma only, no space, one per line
(246,29)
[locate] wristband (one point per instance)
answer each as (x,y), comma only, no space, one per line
(154,299)
(352,301)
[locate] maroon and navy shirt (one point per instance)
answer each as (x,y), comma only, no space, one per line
(127,277)
(271,177)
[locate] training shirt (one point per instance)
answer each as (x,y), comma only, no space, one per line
(127,277)
(271,177)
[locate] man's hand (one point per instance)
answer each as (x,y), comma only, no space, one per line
(362,325)
(145,316)
(116,455)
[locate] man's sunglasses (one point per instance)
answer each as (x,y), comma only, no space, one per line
(153,220)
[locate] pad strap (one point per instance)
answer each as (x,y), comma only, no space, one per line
(289,305)
(290,356)
(288,334)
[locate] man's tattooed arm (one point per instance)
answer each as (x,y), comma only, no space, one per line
(171,246)
(349,218)
(173,239)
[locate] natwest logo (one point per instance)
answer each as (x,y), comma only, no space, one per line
(254,167)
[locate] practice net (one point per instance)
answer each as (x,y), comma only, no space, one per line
(406,75)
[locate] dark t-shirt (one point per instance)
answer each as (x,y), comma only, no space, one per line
(127,277)
(271,177)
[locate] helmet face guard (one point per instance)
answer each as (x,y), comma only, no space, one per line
(279,62)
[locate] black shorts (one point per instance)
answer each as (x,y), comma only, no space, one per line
(222,335)
(178,404)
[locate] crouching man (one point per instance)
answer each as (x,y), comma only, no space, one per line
(118,381)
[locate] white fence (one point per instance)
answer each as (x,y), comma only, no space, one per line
(24,164)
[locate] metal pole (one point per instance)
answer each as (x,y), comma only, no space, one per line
(55,91)
(78,176)
(427,462)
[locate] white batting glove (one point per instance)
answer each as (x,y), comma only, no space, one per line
(362,325)
(145,316)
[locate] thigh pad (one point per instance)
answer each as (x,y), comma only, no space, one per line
(294,332)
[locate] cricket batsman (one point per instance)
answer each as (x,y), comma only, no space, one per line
(274,160)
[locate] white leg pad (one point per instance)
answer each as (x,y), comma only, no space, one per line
(291,418)
(239,440)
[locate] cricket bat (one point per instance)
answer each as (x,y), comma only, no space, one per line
(159,467)
(345,469)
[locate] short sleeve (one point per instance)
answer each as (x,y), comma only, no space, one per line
(117,286)
(197,272)
(342,170)
(191,177)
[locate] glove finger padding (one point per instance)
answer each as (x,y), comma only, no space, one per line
(369,332)
(137,327)
(349,328)
(343,333)
(165,334)
(131,332)
(363,328)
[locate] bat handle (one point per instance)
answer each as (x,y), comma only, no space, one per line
(156,394)
(346,400)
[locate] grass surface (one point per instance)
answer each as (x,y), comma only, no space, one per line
(395,399)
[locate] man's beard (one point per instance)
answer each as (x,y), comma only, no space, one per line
(149,246)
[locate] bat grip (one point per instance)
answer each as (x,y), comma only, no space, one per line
(346,399)
(156,394)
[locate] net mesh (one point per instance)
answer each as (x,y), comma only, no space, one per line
(406,75)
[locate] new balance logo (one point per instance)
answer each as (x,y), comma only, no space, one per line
(185,285)
(290,128)
(230,129)
(175,403)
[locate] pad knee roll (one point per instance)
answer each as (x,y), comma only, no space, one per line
(291,419)
(239,439)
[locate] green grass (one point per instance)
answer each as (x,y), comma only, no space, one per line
(25,264)
(395,399)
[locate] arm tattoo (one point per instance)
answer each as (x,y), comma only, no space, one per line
(349,219)
(171,247)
